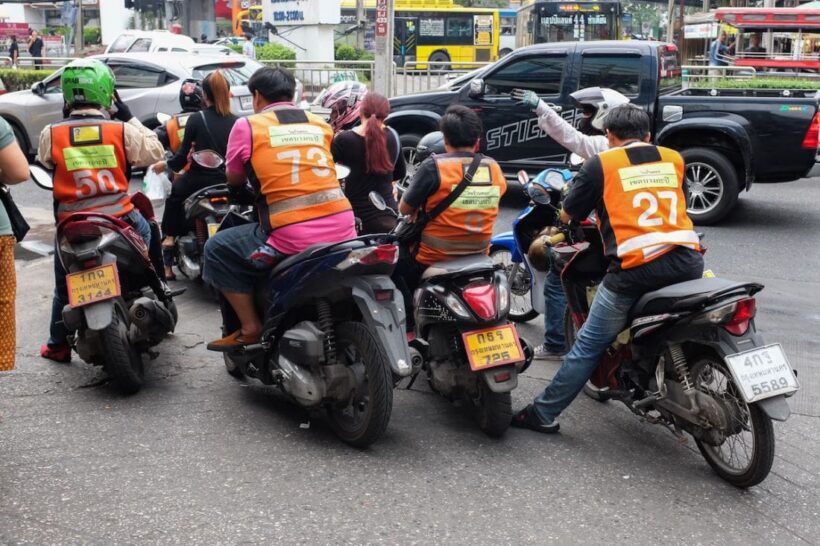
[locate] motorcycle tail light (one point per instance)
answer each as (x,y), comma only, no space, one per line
(481,298)
(218,200)
(382,254)
(745,311)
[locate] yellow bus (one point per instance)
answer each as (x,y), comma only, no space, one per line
(430,31)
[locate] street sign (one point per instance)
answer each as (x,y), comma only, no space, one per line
(381,18)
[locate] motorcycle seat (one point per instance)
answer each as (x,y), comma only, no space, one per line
(686,295)
(457,266)
(313,251)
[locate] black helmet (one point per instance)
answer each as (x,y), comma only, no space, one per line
(431,143)
(191,96)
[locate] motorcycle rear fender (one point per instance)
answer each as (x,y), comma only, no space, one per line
(386,319)
(776,408)
(506,240)
(503,386)
(99,315)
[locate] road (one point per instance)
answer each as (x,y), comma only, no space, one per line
(198,457)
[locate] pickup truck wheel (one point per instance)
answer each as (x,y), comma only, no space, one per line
(713,185)
(408,150)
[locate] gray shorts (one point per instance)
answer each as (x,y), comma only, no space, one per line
(226,263)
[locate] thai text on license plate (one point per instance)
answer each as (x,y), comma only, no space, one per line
(762,373)
(212,229)
(93,285)
(246,103)
(492,347)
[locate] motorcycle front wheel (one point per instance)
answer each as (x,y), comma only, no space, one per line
(122,361)
(518,277)
(745,457)
(364,419)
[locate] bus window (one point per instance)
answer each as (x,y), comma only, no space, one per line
(540,74)
(460,29)
(619,73)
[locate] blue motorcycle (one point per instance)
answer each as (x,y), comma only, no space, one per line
(510,249)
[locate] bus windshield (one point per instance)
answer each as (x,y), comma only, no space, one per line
(541,22)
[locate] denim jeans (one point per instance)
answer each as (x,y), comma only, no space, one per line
(226,263)
(607,318)
(57,333)
(554,305)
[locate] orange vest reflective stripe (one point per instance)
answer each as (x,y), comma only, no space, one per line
(90,165)
(175,127)
(292,164)
(466,226)
(645,204)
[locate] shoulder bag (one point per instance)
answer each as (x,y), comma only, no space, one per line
(19,226)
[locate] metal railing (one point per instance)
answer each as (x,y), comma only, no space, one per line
(697,75)
(30,63)
(317,75)
(417,77)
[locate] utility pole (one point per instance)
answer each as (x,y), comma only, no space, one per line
(383,69)
(78,29)
(360,22)
(670,21)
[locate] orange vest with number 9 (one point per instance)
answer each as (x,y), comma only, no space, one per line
(645,204)
(466,226)
(90,167)
(292,164)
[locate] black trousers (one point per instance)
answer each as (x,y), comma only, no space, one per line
(173,217)
(379,224)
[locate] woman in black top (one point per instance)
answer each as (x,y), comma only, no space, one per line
(373,153)
(207,130)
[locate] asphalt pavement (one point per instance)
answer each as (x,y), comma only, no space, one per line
(198,457)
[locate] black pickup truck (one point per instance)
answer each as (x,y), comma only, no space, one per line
(729,139)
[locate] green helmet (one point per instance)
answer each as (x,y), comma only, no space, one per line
(87,81)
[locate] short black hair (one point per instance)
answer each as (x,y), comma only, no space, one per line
(461,126)
(274,84)
(627,121)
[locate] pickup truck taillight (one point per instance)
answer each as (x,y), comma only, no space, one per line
(812,139)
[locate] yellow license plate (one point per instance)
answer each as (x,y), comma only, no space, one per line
(492,347)
(93,285)
(212,229)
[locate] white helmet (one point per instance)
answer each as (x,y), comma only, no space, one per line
(601,100)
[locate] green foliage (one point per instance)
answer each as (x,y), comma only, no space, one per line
(235,47)
(345,52)
(62,31)
(91,35)
(757,83)
(274,52)
(17,80)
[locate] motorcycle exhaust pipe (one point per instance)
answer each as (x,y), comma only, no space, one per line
(151,316)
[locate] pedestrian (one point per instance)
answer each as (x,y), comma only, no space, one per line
(35,49)
(203,38)
(372,151)
(13,170)
(248,49)
(14,51)
(718,50)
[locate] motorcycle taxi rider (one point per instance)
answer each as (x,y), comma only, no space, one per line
(638,192)
(586,141)
(91,153)
(284,152)
(466,226)
(191,100)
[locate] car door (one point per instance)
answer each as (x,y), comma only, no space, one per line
(511,133)
(138,84)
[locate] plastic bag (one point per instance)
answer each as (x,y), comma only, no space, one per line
(156,186)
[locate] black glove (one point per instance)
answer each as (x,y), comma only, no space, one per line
(66,110)
(123,113)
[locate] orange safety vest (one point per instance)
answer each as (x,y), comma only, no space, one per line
(645,204)
(466,226)
(90,166)
(176,130)
(293,167)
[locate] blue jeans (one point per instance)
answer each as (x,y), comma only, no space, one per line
(226,263)
(607,318)
(57,333)
(554,305)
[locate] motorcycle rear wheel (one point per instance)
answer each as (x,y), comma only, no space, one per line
(521,309)
(232,367)
(710,375)
(122,361)
(365,418)
(494,412)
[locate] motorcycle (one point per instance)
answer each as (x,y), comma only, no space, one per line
(463,341)
(119,304)
(333,336)
(691,360)
(510,249)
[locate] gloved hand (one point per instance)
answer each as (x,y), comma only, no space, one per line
(526,97)
(123,113)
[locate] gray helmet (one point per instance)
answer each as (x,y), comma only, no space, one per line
(431,143)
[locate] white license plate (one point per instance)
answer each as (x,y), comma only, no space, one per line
(246,103)
(762,372)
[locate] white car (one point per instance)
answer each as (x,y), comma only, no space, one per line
(151,41)
(143,83)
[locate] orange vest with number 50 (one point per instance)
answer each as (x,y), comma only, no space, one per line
(90,166)
(645,204)
(292,164)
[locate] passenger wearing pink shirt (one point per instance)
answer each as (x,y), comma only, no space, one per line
(229,260)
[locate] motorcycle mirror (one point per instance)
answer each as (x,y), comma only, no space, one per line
(576,160)
(38,88)
(523,177)
(342,171)
(538,194)
(377,200)
(41,177)
(163,118)
(208,159)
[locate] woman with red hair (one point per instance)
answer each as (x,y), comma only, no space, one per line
(373,153)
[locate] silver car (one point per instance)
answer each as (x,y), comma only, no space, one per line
(147,82)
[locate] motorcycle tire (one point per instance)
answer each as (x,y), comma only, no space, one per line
(760,463)
(494,412)
(365,418)
(526,315)
(122,361)
(231,367)
(569,338)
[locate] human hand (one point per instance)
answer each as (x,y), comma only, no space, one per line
(122,113)
(526,97)
(159,167)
